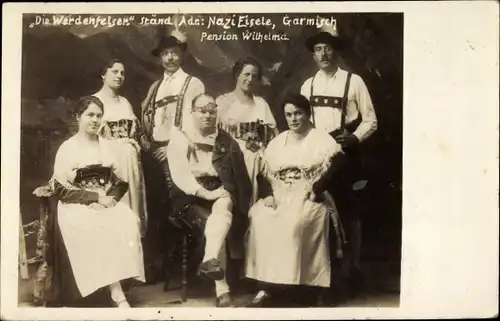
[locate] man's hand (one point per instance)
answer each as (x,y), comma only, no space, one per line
(219,193)
(340,254)
(311,196)
(346,139)
(161,153)
(144,143)
(107,201)
(212,195)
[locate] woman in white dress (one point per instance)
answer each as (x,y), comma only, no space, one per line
(289,230)
(247,117)
(99,232)
(119,131)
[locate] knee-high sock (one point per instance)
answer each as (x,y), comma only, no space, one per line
(221,286)
(117,292)
(216,229)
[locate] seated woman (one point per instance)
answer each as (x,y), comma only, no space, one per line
(289,230)
(100,235)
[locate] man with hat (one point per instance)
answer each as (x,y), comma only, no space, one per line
(342,106)
(167,101)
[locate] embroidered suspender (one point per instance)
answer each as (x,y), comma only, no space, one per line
(311,100)
(178,110)
(345,100)
(150,110)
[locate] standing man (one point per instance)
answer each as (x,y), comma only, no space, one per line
(341,105)
(210,189)
(167,102)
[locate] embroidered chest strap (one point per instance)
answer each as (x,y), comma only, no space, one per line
(326,101)
(178,110)
(334,102)
(166,100)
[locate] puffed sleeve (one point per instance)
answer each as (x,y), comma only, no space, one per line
(269,117)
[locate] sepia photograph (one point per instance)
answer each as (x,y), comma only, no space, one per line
(186,161)
(226,160)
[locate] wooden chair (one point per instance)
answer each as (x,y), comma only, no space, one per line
(43,193)
(26,230)
(183,228)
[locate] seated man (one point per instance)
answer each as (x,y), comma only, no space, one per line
(204,165)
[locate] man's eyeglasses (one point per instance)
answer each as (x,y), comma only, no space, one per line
(210,108)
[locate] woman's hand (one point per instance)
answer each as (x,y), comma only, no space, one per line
(253,145)
(311,196)
(97,206)
(252,141)
(270,201)
(107,201)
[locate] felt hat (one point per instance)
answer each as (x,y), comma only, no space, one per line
(175,39)
(326,36)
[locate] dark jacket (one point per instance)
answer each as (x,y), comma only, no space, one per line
(230,166)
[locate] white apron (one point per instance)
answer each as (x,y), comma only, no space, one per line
(289,244)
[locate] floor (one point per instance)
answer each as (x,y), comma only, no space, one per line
(381,290)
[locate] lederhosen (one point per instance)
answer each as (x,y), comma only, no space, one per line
(158,186)
(150,111)
(341,185)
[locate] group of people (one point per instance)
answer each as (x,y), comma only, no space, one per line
(250,192)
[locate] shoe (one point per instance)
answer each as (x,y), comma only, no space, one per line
(224,301)
(261,300)
(211,269)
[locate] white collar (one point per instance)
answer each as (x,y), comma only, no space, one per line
(196,137)
(324,75)
(178,74)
